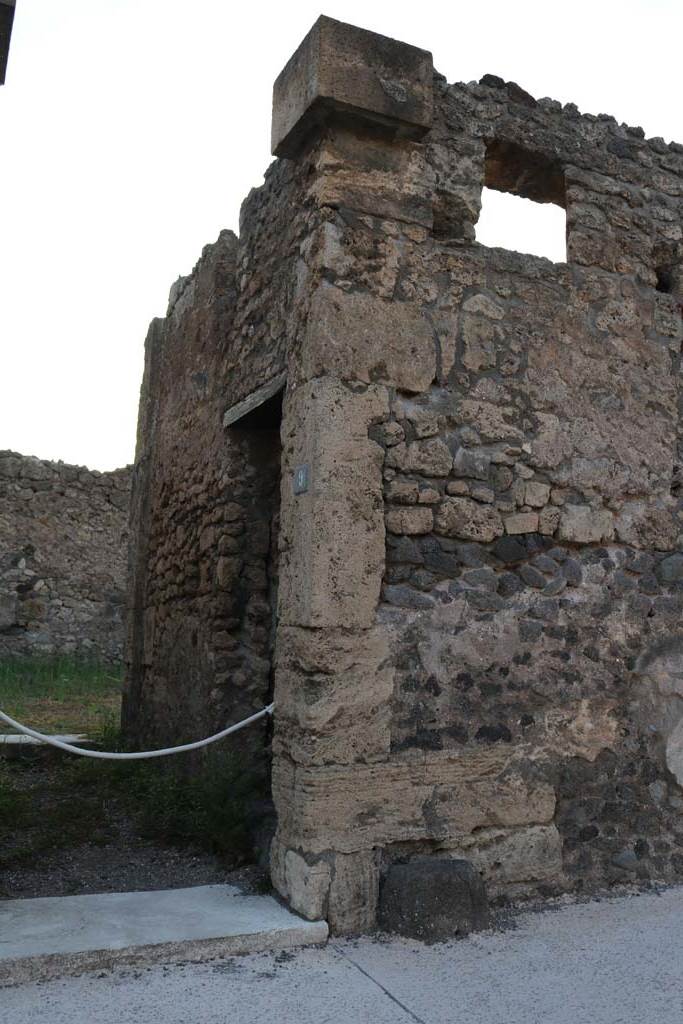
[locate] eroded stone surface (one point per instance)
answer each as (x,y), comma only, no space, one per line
(358,337)
(339,67)
(332,535)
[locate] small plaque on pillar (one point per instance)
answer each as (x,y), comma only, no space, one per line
(301,474)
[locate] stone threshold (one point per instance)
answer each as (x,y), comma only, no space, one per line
(65,935)
(16,743)
(11,739)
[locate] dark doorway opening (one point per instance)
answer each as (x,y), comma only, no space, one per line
(255,589)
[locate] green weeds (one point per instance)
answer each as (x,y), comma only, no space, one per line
(60,694)
(51,802)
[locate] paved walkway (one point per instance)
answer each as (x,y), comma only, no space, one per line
(619,961)
(51,937)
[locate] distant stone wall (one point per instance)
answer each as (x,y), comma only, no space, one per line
(63,539)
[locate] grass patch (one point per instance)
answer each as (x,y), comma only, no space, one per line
(211,808)
(208,807)
(52,802)
(60,695)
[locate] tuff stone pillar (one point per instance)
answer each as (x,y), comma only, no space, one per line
(354,105)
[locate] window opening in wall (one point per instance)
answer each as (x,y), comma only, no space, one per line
(523,203)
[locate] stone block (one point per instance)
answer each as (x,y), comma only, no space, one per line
(433,899)
(649,524)
(354,892)
(333,691)
(406,597)
(583,729)
(307,885)
(471,464)
(457,487)
(521,522)
(671,569)
(548,520)
(430,457)
(428,496)
(341,70)
(8,610)
(480,337)
(332,536)
(403,492)
(412,797)
(459,175)
(514,861)
(386,178)
(481,493)
(580,524)
(467,519)
(409,520)
(392,433)
(536,494)
(424,424)
(358,337)
(227,571)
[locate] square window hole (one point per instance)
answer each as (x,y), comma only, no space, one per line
(510,222)
(523,203)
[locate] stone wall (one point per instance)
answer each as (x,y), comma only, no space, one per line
(480,579)
(205,508)
(63,543)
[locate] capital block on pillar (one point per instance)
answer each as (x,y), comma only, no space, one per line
(340,71)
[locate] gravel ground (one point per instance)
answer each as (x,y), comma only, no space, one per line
(123,866)
(617,961)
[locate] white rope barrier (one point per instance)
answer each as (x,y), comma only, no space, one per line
(139,755)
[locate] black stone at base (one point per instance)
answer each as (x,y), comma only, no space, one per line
(433,899)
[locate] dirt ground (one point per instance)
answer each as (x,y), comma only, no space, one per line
(65,831)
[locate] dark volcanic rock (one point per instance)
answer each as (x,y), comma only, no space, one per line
(433,900)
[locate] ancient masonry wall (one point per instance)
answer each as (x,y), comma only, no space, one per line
(205,507)
(479,569)
(63,553)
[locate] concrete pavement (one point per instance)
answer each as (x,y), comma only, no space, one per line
(618,961)
(57,935)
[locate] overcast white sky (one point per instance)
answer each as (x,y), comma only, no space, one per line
(132,130)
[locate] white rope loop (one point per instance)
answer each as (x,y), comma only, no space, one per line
(139,755)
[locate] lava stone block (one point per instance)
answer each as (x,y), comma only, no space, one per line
(433,899)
